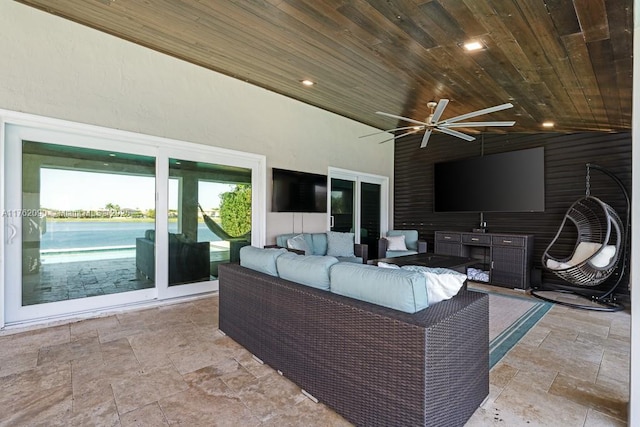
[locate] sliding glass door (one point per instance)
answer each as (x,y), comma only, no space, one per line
(358,201)
(209,218)
(95,222)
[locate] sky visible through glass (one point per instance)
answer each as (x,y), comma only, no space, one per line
(70,190)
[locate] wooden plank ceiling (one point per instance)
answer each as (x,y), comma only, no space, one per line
(565,61)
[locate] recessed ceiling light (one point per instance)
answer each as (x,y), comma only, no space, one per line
(548,124)
(472,46)
(307,82)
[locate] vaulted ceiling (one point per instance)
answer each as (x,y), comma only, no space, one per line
(568,61)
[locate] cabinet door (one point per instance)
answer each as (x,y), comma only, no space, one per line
(508,267)
(446,248)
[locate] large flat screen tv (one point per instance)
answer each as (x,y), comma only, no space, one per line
(295,191)
(505,182)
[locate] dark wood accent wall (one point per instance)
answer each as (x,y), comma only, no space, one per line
(565,158)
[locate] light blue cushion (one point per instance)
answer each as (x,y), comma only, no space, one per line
(319,243)
(394,288)
(340,244)
(300,243)
(356,259)
(392,254)
(410,237)
(260,259)
(281,240)
(312,270)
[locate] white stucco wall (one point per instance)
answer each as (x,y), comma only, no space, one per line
(56,68)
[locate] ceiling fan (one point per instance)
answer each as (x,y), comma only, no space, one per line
(433,122)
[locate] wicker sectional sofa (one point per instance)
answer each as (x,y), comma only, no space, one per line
(372,364)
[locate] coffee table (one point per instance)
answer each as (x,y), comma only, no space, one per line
(456,263)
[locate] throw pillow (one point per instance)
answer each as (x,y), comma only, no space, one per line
(442,283)
(604,257)
(386,265)
(583,251)
(340,244)
(396,243)
(298,243)
(555,265)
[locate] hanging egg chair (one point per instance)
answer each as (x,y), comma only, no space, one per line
(599,251)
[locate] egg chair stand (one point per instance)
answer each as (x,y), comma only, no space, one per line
(598,262)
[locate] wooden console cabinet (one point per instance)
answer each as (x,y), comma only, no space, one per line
(507,257)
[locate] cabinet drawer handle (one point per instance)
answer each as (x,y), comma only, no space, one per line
(507,241)
(474,239)
(447,237)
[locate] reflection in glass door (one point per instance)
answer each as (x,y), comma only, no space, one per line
(209,218)
(370,204)
(359,202)
(79,219)
(342,199)
(82,213)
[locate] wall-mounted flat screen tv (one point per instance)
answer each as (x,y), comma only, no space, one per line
(504,182)
(295,191)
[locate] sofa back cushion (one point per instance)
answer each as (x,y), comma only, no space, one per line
(300,243)
(312,270)
(340,244)
(393,288)
(319,243)
(259,259)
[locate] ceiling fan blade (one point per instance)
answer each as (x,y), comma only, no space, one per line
(388,130)
(425,138)
(399,136)
(455,133)
(406,119)
(472,124)
(437,113)
(478,113)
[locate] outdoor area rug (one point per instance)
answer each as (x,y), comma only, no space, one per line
(510,318)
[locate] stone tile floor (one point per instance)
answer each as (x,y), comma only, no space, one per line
(61,281)
(169,365)
(80,279)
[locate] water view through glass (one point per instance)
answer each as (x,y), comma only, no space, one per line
(90,207)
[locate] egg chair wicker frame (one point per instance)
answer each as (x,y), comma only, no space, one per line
(595,222)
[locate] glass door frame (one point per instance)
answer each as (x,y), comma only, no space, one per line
(357,178)
(15,127)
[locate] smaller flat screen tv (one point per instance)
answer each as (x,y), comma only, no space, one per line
(295,191)
(504,182)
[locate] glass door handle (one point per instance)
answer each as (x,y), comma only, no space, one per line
(331,222)
(13,231)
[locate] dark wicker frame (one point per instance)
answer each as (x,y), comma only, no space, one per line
(595,222)
(371,364)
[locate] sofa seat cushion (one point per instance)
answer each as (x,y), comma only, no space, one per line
(312,270)
(442,283)
(262,260)
(393,254)
(354,259)
(393,288)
